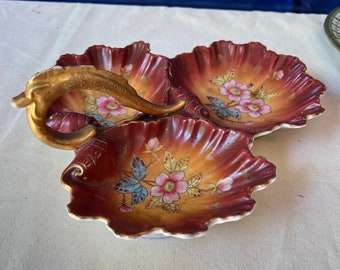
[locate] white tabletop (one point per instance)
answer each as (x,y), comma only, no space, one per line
(296,222)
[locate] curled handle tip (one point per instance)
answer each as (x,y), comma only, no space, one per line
(20,101)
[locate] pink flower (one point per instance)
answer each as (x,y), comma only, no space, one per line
(153,145)
(109,105)
(235,91)
(254,108)
(125,208)
(224,184)
(278,75)
(169,186)
(127,68)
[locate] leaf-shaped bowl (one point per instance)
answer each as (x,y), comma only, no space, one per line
(146,72)
(172,177)
(245,87)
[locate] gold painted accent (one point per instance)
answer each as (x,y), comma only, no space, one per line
(45,87)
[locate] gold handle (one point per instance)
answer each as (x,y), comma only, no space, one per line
(45,87)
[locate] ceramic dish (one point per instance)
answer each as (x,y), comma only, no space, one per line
(332,27)
(245,87)
(150,164)
(175,176)
(240,86)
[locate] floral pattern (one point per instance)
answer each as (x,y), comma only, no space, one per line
(242,99)
(165,189)
(169,186)
(254,108)
(224,184)
(105,108)
(235,91)
(109,105)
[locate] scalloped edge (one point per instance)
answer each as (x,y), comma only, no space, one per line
(279,125)
(159,232)
(288,126)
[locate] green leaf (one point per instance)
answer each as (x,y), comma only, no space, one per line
(172,208)
(90,100)
(154,202)
(264,95)
(213,188)
(229,75)
(169,162)
(195,192)
(183,164)
(91,108)
(195,180)
(218,81)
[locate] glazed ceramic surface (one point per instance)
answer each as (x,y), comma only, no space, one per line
(176,176)
(180,174)
(245,87)
(146,72)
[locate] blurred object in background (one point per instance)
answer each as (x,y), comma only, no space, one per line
(332,27)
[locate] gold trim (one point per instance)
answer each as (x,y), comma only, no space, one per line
(45,87)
